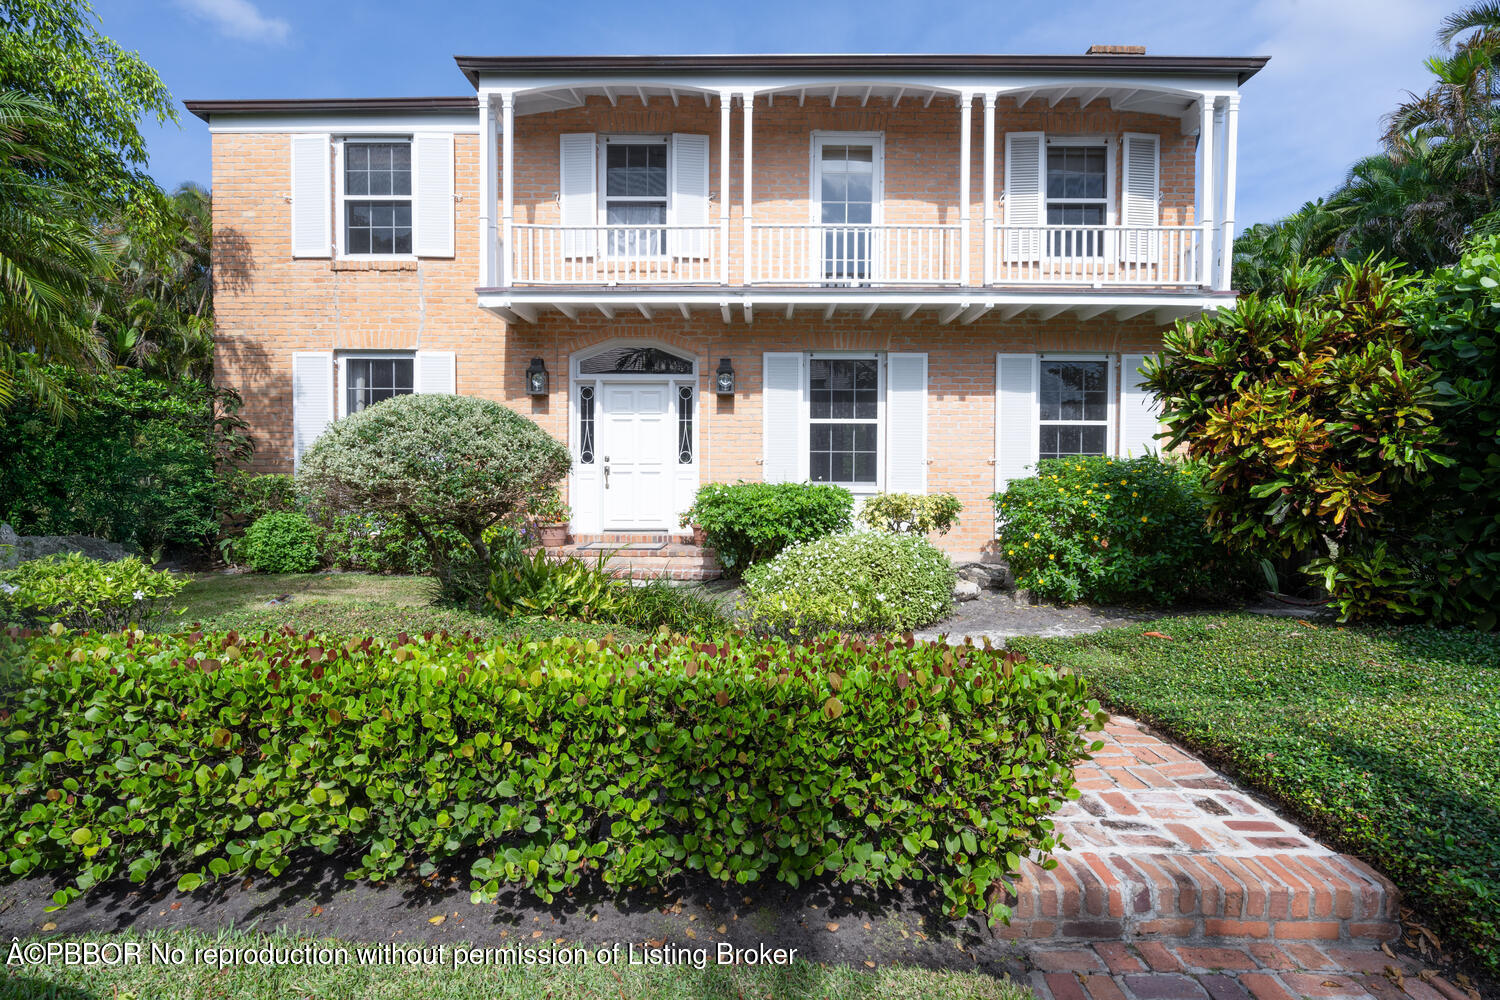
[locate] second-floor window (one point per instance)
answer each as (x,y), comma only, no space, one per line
(377,198)
(635,194)
(846,188)
(1077,196)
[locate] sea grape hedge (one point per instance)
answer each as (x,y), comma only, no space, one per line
(554,761)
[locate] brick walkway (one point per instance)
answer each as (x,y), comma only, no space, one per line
(1181,886)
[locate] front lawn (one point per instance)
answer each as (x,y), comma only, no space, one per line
(801,979)
(1385,740)
(349,604)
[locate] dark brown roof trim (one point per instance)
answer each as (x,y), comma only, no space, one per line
(1243,67)
(346,105)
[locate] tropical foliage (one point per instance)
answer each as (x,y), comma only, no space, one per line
(229,755)
(77,592)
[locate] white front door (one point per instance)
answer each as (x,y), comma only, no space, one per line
(635,446)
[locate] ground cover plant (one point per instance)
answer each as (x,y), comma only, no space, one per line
(1093,528)
(85,593)
(747,523)
(861,581)
(1386,740)
(537,763)
(802,979)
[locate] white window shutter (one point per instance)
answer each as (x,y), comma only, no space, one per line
(312,195)
(432,194)
(784,442)
(312,399)
(906,423)
(688,161)
(1141,196)
(1016,433)
(578,191)
(436,371)
(1140,418)
(1025,193)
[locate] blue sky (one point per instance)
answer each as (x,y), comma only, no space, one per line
(1336,65)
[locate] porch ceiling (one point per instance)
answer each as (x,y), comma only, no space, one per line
(955,306)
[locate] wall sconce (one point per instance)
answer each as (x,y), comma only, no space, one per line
(724,378)
(536,378)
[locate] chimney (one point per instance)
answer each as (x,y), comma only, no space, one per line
(1116,50)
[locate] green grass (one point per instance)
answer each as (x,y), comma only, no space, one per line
(351,604)
(802,981)
(1385,740)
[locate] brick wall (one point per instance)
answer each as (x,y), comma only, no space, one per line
(269,305)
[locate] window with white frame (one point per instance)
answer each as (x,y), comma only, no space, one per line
(846,202)
(377,199)
(844,421)
(1077,196)
(369,379)
(635,194)
(1073,407)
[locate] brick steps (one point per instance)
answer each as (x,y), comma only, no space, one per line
(1164,848)
(677,558)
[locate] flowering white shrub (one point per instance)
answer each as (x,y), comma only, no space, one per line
(861,581)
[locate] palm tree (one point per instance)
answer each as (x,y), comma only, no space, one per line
(51,260)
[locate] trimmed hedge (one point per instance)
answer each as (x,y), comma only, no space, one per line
(554,761)
(282,541)
(747,523)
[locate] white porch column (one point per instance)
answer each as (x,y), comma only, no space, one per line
(508,164)
(1231,151)
(486,191)
(726,98)
(1206,187)
(965,182)
(989,187)
(747,210)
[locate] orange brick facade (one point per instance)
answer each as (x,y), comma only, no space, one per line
(269,305)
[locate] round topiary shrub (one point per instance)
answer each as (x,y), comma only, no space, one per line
(282,541)
(436,462)
(861,581)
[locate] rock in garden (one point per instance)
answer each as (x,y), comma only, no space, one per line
(965,590)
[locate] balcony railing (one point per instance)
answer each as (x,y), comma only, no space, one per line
(1099,255)
(615,255)
(821,254)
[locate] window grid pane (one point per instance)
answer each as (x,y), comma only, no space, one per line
(377,170)
(372,380)
(843,433)
(635,194)
(1073,408)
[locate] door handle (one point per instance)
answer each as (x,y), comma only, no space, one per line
(606,472)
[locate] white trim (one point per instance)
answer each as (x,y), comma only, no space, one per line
(455,122)
(339,213)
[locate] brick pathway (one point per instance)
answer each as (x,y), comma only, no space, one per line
(1180,886)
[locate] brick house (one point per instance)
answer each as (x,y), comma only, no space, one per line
(897,273)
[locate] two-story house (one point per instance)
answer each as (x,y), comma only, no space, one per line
(892,272)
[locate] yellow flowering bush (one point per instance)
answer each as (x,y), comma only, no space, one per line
(1093,528)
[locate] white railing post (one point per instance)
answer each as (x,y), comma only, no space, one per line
(1231,151)
(508,190)
(486,189)
(1206,185)
(965,188)
(989,188)
(725,99)
(748,209)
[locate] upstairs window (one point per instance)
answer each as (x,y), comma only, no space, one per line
(1077,195)
(635,194)
(377,198)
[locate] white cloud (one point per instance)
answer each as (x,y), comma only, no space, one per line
(238,19)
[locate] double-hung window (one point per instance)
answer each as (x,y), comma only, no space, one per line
(1073,407)
(635,194)
(844,421)
(368,380)
(377,197)
(1077,197)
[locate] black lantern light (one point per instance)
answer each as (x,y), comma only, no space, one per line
(536,378)
(724,378)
